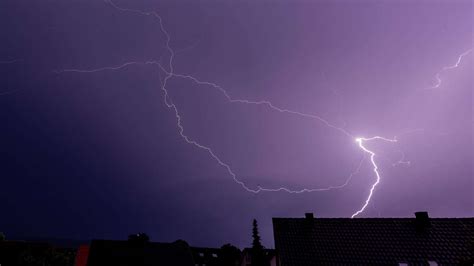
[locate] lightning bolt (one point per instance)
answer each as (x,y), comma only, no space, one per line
(360,142)
(169,74)
(105,68)
(446,68)
(402,160)
(268,104)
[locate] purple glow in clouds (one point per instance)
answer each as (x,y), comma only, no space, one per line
(160,116)
(169,74)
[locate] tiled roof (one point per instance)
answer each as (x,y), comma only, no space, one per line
(369,241)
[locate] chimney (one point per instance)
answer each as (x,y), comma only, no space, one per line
(309,215)
(422,220)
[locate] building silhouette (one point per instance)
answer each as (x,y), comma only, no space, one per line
(27,253)
(128,253)
(135,252)
(374,241)
(246,259)
(307,241)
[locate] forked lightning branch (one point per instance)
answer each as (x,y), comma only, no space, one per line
(169,73)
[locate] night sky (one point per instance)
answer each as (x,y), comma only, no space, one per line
(91,148)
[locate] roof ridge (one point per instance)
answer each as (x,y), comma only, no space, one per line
(374,218)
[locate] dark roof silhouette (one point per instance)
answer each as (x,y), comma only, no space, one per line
(20,253)
(134,253)
(247,255)
(374,241)
(12,251)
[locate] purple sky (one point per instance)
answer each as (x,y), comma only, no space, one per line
(100,155)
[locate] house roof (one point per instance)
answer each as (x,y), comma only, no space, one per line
(309,241)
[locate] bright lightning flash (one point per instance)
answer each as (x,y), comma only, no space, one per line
(360,142)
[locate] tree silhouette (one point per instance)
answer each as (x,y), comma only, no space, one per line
(258,251)
(230,255)
(2,236)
